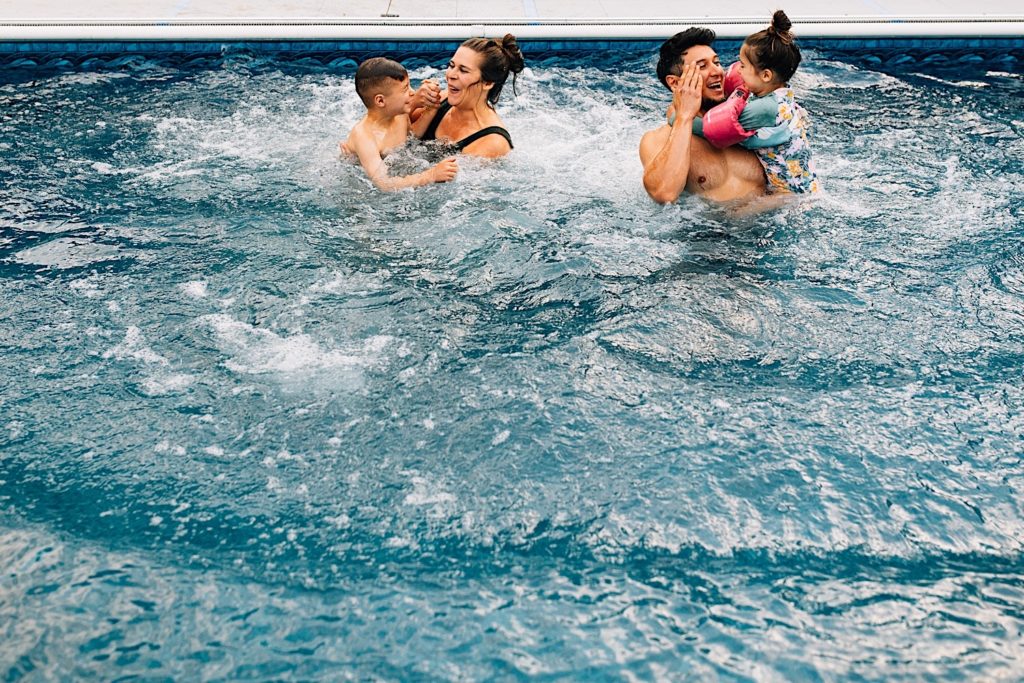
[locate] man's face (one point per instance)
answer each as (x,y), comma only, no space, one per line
(706,61)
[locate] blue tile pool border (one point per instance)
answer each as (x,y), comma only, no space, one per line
(1006,51)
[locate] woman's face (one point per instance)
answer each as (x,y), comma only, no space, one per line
(465,81)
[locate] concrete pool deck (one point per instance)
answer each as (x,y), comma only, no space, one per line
(488,10)
(44,25)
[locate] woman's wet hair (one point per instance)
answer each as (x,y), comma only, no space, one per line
(670,60)
(775,48)
(375,74)
(500,57)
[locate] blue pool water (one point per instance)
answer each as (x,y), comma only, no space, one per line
(262,422)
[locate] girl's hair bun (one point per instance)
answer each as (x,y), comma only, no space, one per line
(781,25)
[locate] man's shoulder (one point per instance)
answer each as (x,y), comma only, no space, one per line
(658,133)
(653,140)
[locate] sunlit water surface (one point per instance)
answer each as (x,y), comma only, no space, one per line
(262,421)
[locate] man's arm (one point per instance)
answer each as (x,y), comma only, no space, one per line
(666,159)
(369,157)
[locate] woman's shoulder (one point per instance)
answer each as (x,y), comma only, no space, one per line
(489,146)
(491,119)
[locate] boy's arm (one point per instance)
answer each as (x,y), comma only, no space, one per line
(369,157)
(426,97)
(421,119)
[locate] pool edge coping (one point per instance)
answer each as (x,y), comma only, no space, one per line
(442,29)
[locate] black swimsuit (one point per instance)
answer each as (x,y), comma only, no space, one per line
(431,132)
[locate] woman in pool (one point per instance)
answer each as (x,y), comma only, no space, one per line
(464,117)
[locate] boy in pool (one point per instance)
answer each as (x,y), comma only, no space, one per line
(383,86)
(761,113)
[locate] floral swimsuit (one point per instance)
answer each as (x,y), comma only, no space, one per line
(788,166)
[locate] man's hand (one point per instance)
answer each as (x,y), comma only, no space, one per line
(686,94)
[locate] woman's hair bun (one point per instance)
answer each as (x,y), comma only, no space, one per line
(499,59)
(516,63)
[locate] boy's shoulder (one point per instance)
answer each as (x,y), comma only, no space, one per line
(361,128)
(357,135)
(383,139)
(399,123)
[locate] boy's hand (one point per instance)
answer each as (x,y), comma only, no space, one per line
(445,171)
(428,95)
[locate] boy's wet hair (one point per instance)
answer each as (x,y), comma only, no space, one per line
(373,75)
(670,59)
(500,58)
(775,48)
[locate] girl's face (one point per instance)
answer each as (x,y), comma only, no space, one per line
(465,81)
(758,81)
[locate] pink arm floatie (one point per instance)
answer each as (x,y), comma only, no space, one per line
(733,79)
(722,123)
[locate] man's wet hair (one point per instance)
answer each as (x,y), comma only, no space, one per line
(373,75)
(671,58)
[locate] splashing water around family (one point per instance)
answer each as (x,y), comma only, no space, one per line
(729,136)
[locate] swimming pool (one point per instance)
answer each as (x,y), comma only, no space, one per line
(263,422)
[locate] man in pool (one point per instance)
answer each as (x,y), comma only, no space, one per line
(675,160)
